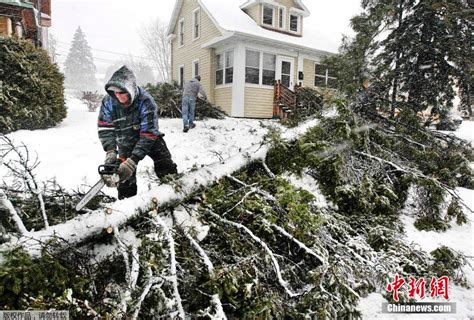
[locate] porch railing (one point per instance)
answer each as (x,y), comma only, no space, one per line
(285,101)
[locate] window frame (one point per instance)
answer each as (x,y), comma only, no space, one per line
(181,29)
(265,5)
(193,71)
(326,76)
(226,67)
(181,76)
(252,67)
(197,10)
(263,68)
(260,68)
(224,55)
(298,25)
(282,21)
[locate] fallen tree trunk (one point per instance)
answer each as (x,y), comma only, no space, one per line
(118,213)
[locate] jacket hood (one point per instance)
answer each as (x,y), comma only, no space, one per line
(124,79)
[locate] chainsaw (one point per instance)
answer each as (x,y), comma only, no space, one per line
(104,170)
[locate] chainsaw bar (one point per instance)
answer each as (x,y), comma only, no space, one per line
(90,194)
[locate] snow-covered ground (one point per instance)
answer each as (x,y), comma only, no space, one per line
(459,238)
(71,152)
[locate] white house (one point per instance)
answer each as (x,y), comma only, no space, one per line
(239,48)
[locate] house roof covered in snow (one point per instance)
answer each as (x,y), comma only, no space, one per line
(299,3)
(233,21)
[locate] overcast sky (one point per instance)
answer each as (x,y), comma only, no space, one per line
(113,25)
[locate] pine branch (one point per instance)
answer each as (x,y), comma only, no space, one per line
(215,301)
(267,170)
(173,273)
(276,265)
(299,243)
(87,225)
(152,281)
(419,175)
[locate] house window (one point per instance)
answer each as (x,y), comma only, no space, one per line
(269,63)
(181,76)
(294,23)
(252,67)
(281,17)
(229,67)
(324,77)
(195,68)
(268,15)
(260,68)
(196,23)
(181,32)
(219,69)
(225,68)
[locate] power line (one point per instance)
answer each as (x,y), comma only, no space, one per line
(108,51)
(63,52)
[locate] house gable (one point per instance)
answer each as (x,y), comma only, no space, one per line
(192,27)
(284,16)
(178,14)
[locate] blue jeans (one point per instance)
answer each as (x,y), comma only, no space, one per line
(188,108)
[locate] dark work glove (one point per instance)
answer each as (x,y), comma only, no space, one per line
(126,169)
(111,157)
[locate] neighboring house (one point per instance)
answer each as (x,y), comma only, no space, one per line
(240,48)
(26,19)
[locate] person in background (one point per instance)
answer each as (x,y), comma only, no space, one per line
(365,102)
(191,90)
(128,128)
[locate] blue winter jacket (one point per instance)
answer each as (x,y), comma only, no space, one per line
(131,129)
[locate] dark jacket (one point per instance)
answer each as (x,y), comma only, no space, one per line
(364,102)
(132,129)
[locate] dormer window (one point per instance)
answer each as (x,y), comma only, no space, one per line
(281,17)
(294,23)
(268,15)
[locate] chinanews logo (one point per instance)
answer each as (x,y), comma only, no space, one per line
(419,289)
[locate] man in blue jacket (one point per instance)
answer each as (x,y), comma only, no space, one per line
(128,128)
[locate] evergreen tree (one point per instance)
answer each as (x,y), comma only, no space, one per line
(430,51)
(79,66)
(31,88)
(425,52)
(354,61)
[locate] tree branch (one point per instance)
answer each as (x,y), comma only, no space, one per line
(265,247)
(8,206)
(87,225)
(173,278)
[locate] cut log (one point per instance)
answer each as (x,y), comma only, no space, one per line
(84,226)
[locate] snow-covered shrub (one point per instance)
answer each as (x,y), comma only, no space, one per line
(31,89)
(448,263)
(168,99)
(91,99)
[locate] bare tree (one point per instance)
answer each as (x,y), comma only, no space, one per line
(155,40)
(52,47)
(142,70)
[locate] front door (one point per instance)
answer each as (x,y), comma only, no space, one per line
(285,71)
